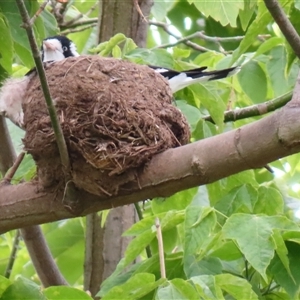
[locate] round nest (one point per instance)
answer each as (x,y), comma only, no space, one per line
(115,116)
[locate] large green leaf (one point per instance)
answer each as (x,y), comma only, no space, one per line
(23,289)
(137,286)
(237,287)
(6,45)
(258,229)
(65,292)
(240,199)
(261,21)
(282,276)
(224,11)
(206,285)
(253,81)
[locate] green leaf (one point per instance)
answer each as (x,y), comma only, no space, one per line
(253,81)
(211,100)
(136,286)
(23,289)
(281,276)
(137,245)
(155,57)
(177,201)
(50,23)
(268,45)
(224,11)
(191,112)
(199,225)
(227,251)
(160,8)
(281,250)
(219,189)
(206,266)
(258,229)
(270,201)
(6,46)
(246,14)
(4,284)
(240,199)
(262,19)
(278,61)
(237,287)
(207,285)
(65,292)
(204,130)
(177,289)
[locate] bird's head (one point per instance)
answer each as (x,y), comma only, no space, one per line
(56,48)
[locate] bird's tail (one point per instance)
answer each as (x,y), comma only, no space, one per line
(179,80)
(212,75)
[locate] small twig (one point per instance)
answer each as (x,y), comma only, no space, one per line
(160,249)
(91,21)
(284,24)
(67,31)
(39,11)
(165,27)
(79,16)
(140,215)
(254,110)
(10,174)
(199,34)
(13,255)
(137,6)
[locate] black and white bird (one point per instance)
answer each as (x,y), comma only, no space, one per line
(58,47)
(181,79)
(53,49)
(177,79)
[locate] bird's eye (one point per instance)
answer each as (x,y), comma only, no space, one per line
(65,48)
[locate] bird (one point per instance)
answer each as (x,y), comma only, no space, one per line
(180,79)
(177,79)
(58,47)
(12,92)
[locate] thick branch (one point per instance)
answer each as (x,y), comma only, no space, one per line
(284,24)
(208,160)
(254,110)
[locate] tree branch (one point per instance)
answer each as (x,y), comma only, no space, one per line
(199,34)
(254,110)
(202,162)
(284,24)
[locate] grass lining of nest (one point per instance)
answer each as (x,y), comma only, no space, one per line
(114,114)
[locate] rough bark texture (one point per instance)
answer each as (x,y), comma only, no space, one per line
(122,16)
(208,160)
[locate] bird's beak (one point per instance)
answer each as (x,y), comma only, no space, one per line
(49,46)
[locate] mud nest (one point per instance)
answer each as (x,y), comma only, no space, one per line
(115,116)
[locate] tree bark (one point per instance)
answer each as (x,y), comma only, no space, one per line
(250,146)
